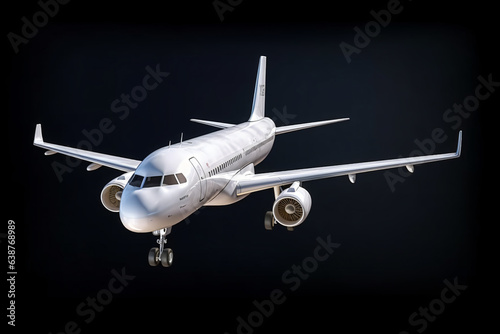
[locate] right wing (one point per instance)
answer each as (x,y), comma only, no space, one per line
(97,159)
(251,183)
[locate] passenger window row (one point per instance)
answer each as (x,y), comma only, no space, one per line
(228,163)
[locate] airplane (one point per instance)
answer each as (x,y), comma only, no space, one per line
(216,169)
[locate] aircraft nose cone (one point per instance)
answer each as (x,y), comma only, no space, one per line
(136,213)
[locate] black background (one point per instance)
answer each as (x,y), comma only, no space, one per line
(397,247)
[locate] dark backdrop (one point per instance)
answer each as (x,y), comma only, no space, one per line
(399,247)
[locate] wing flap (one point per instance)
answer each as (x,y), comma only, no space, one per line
(119,163)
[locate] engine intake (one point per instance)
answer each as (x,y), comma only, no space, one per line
(111,193)
(292,206)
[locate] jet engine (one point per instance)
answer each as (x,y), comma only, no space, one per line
(292,206)
(111,193)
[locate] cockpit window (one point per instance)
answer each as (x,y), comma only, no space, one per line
(156,181)
(152,181)
(181,178)
(169,180)
(136,180)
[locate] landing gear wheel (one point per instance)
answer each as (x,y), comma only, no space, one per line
(161,254)
(153,256)
(167,257)
(269,221)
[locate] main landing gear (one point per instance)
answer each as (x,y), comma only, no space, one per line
(161,254)
(269,220)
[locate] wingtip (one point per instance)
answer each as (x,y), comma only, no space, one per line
(459,144)
(339,120)
(38,134)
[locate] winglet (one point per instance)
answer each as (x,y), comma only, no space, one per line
(38,134)
(459,145)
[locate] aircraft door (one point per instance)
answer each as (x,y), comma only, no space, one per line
(201,177)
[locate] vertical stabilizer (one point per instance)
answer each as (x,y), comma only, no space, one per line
(259,94)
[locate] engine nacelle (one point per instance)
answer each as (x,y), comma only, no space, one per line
(292,206)
(111,193)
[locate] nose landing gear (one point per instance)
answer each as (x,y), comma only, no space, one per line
(161,254)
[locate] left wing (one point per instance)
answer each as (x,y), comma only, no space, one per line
(251,183)
(97,159)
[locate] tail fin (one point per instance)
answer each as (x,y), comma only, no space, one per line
(259,94)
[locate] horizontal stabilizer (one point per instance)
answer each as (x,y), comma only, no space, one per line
(219,125)
(297,127)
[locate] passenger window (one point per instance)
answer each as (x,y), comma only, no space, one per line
(136,180)
(152,181)
(169,180)
(181,178)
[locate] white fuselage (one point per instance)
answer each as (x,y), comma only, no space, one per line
(160,200)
